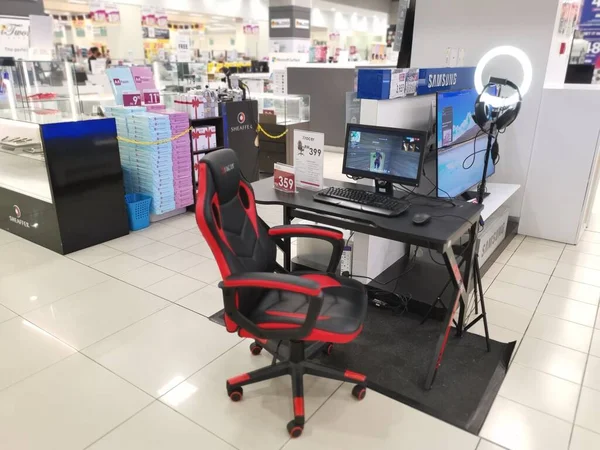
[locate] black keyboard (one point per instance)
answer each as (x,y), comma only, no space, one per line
(365,201)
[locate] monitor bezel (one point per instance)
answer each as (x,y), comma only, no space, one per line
(385,177)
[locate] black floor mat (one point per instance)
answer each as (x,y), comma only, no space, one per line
(218,318)
(395,352)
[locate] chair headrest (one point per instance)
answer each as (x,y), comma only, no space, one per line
(225,170)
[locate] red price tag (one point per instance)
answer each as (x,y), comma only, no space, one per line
(151,97)
(132,99)
(284,179)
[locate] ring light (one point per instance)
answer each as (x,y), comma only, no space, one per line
(519,55)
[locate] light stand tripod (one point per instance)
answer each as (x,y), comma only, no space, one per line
(478,292)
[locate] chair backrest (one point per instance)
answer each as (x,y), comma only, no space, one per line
(226,215)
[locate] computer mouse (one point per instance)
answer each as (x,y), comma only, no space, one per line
(421,219)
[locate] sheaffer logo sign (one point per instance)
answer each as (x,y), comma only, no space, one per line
(242,128)
(18,219)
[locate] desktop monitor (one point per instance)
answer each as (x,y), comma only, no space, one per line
(460,142)
(388,154)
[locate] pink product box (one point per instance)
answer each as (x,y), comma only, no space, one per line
(186,201)
(185,204)
(178,177)
(186,196)
(180,158)
(181,146)
(178,180)
(182,164)
(155,108)
(181,152)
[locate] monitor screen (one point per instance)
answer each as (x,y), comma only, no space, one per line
(455,112)
(389,154)
(459,170)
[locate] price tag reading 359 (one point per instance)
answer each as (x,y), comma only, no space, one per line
(284,178)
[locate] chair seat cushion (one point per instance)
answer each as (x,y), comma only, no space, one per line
(341,318)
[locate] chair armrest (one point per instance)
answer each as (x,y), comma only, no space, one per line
(273,281)
(335,237)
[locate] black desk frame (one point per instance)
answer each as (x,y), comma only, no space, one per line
(301,206)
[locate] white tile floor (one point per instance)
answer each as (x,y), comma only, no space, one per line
(111,348)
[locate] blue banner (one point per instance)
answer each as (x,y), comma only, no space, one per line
(445,79)
(590,14)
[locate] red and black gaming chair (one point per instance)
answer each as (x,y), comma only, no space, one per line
(319,308)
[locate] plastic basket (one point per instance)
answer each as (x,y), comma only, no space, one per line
(138,210)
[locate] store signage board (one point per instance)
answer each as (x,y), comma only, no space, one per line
(445,79)
(184,52)
(14,37)
(284,178)
(281,23)
(302,24)
(309,157)
(132,98)
(590,14)
(40,38)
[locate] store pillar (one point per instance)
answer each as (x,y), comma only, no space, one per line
(289,26)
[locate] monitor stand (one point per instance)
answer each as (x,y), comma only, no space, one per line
(472,195)
(384,187)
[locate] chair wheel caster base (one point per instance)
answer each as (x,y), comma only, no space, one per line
(235,394)
(359,392)
(255,349)
(294,429)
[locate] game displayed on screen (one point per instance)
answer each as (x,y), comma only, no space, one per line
(458,170)
(386,153)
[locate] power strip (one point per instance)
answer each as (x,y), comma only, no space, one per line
(346,261)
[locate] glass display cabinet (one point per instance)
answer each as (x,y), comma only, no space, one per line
(288,109)
(61,184)
(279,116)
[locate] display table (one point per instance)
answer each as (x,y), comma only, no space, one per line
(61,184)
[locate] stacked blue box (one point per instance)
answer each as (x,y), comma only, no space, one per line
(120,114)
(150,166)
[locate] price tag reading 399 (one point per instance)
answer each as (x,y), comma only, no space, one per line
(284,178)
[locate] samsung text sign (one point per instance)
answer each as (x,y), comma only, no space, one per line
(445,79)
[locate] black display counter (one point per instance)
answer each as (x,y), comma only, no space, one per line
(61,183)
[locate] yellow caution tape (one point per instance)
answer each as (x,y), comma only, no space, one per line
(260,129)
(162,141)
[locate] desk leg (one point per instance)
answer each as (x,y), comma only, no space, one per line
(468,277)
(287,243)
(461,299)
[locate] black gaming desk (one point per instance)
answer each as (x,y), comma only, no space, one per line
(448,224)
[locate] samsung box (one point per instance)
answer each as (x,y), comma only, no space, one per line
(383,84)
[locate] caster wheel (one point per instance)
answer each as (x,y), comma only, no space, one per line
(235,394)
(328,350)
(359,392)
(255,349)
(294,429)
